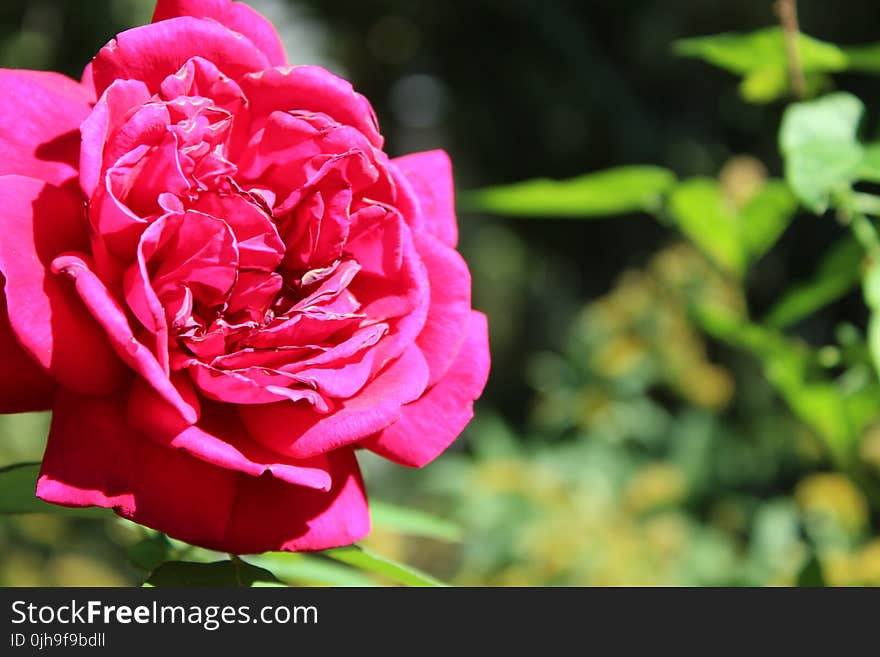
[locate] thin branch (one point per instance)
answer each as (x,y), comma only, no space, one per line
(788,18)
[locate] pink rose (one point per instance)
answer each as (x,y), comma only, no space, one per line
(221,286)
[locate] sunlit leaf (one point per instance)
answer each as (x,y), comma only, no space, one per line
(744,53)
(17,485)
(412,522)
(838,272)
(702,213)
(614,191)
(760,58)
(836,416)
(311,570)
(220,573)
(870,169)
(865,58)
(364,559)
(818,141)
(766,216)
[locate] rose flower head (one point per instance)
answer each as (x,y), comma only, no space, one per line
(222,286)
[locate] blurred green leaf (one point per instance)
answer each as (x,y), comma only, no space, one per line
(865,58)
(822,153)
(313,570)
(745,53)
(730,238)
(760,57)
(412,522)
(149,553)
(614,191)
(870,169)
(836,416)
(702,213)
(17,485)
(871,293)
(220,573)
(811,574)
(766,216)
(838,272)
(364,559)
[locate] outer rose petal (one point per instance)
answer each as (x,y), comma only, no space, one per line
(219,439)
(428,426)
(150,53)
(450,309)
(24,386)
(430,176)
(39,134)
(234,15)
(51,323)
(113,320)
(298,431)
(95,459)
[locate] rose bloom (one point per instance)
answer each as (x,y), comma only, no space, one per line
(222,286)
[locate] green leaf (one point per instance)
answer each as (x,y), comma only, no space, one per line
(311,570)
(614,191)
(17,485)
(218,573)
(818,141)
(412,522)
(837,417)
(870,169)
(364,559)
(811,573)
(149,553)
(763,49)
(765,217)
(838,272)
(702,213)
(760,57)
(865,58)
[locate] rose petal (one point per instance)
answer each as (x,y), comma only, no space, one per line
(252,385)
(428,426)
(430,175)
(150,53)
(24,385)
(51,323)
(296,430)
(39,135)
(450,309)
(95,458)
(313,89)
(108,115)
(234,15)
(259,246)
(106,310)
(218,438)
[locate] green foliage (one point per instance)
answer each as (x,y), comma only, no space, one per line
(233,572)
(615,191)
(298,569)
(17,485)
(838,272)
(411,522)
(730,237)
(367,560)
(821,149)
(760,58)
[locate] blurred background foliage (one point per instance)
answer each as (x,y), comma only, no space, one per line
(638,429)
